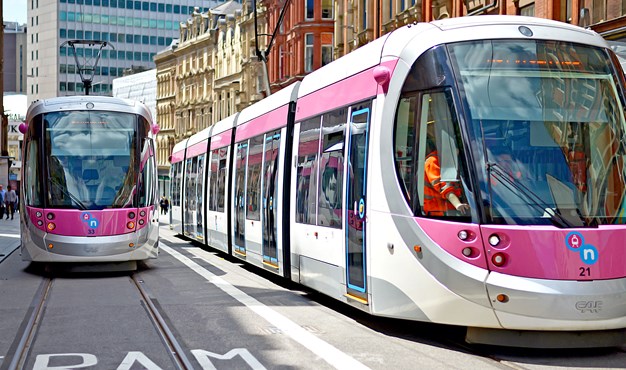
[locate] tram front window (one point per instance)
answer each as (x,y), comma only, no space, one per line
(90,159)
(551,120)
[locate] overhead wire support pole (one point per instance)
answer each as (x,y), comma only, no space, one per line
(262,55)
(83,70)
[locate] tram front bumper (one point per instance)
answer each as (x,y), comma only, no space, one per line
(538,304)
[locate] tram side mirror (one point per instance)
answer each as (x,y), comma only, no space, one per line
(155,128)
(23,127)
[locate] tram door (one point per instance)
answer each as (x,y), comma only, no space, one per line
(189,218)
(269,198)
(239,232)
(356,202)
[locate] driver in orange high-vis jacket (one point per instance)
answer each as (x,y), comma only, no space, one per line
(440,197)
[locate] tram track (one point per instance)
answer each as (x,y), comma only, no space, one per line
(175,350)
(32,324)
(25,339)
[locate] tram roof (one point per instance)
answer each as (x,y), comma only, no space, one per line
(272,102)
(367,56)
(225,124)
(199,136)
(63,103)
(180,146)
(491,20)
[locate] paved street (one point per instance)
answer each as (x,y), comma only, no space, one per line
(9,235)
(225,315)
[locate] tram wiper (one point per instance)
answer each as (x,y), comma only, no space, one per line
(534,200)
(80,204)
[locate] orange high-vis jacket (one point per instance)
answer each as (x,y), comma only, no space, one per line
(435,190)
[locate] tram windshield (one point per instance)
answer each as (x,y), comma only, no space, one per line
(90,159)
(550,117)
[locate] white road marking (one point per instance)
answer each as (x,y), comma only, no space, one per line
(10,235)
(324,350)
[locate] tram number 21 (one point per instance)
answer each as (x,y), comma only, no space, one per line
(584,271)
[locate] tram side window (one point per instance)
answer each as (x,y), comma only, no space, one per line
(32,187)
(213,165)
(200,185)
(441,187)
(253,188)
(221,179)
(404,144)
(147,193)
(331,169)
(217,179)
(190,190)
(176,175)
(240,177)
(179,183)
(306,176)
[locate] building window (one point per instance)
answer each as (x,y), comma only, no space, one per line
(281,63)
(308,52)
(528,10)
(364,15)
(327,9)
(309,9)
(598,12)
(327,48)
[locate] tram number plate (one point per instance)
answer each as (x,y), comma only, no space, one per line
(584,271)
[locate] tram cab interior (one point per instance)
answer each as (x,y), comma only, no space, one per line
(89,182)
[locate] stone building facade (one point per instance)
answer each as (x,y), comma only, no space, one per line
(209,73)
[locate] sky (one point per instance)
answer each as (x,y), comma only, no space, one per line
(14,11)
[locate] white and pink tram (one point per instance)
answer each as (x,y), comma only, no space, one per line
(88,186)
(342,182)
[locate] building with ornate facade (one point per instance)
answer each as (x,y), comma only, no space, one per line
(209,73)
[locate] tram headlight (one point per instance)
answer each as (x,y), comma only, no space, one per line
(141,222)
(463,234)
(131,215)
(39,223)
(130,225)
(51,226)
(494,240)
(142,213)
(38,214)
(50,216)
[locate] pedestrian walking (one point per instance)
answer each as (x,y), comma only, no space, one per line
(10,200)
(164,204)
(2,201)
